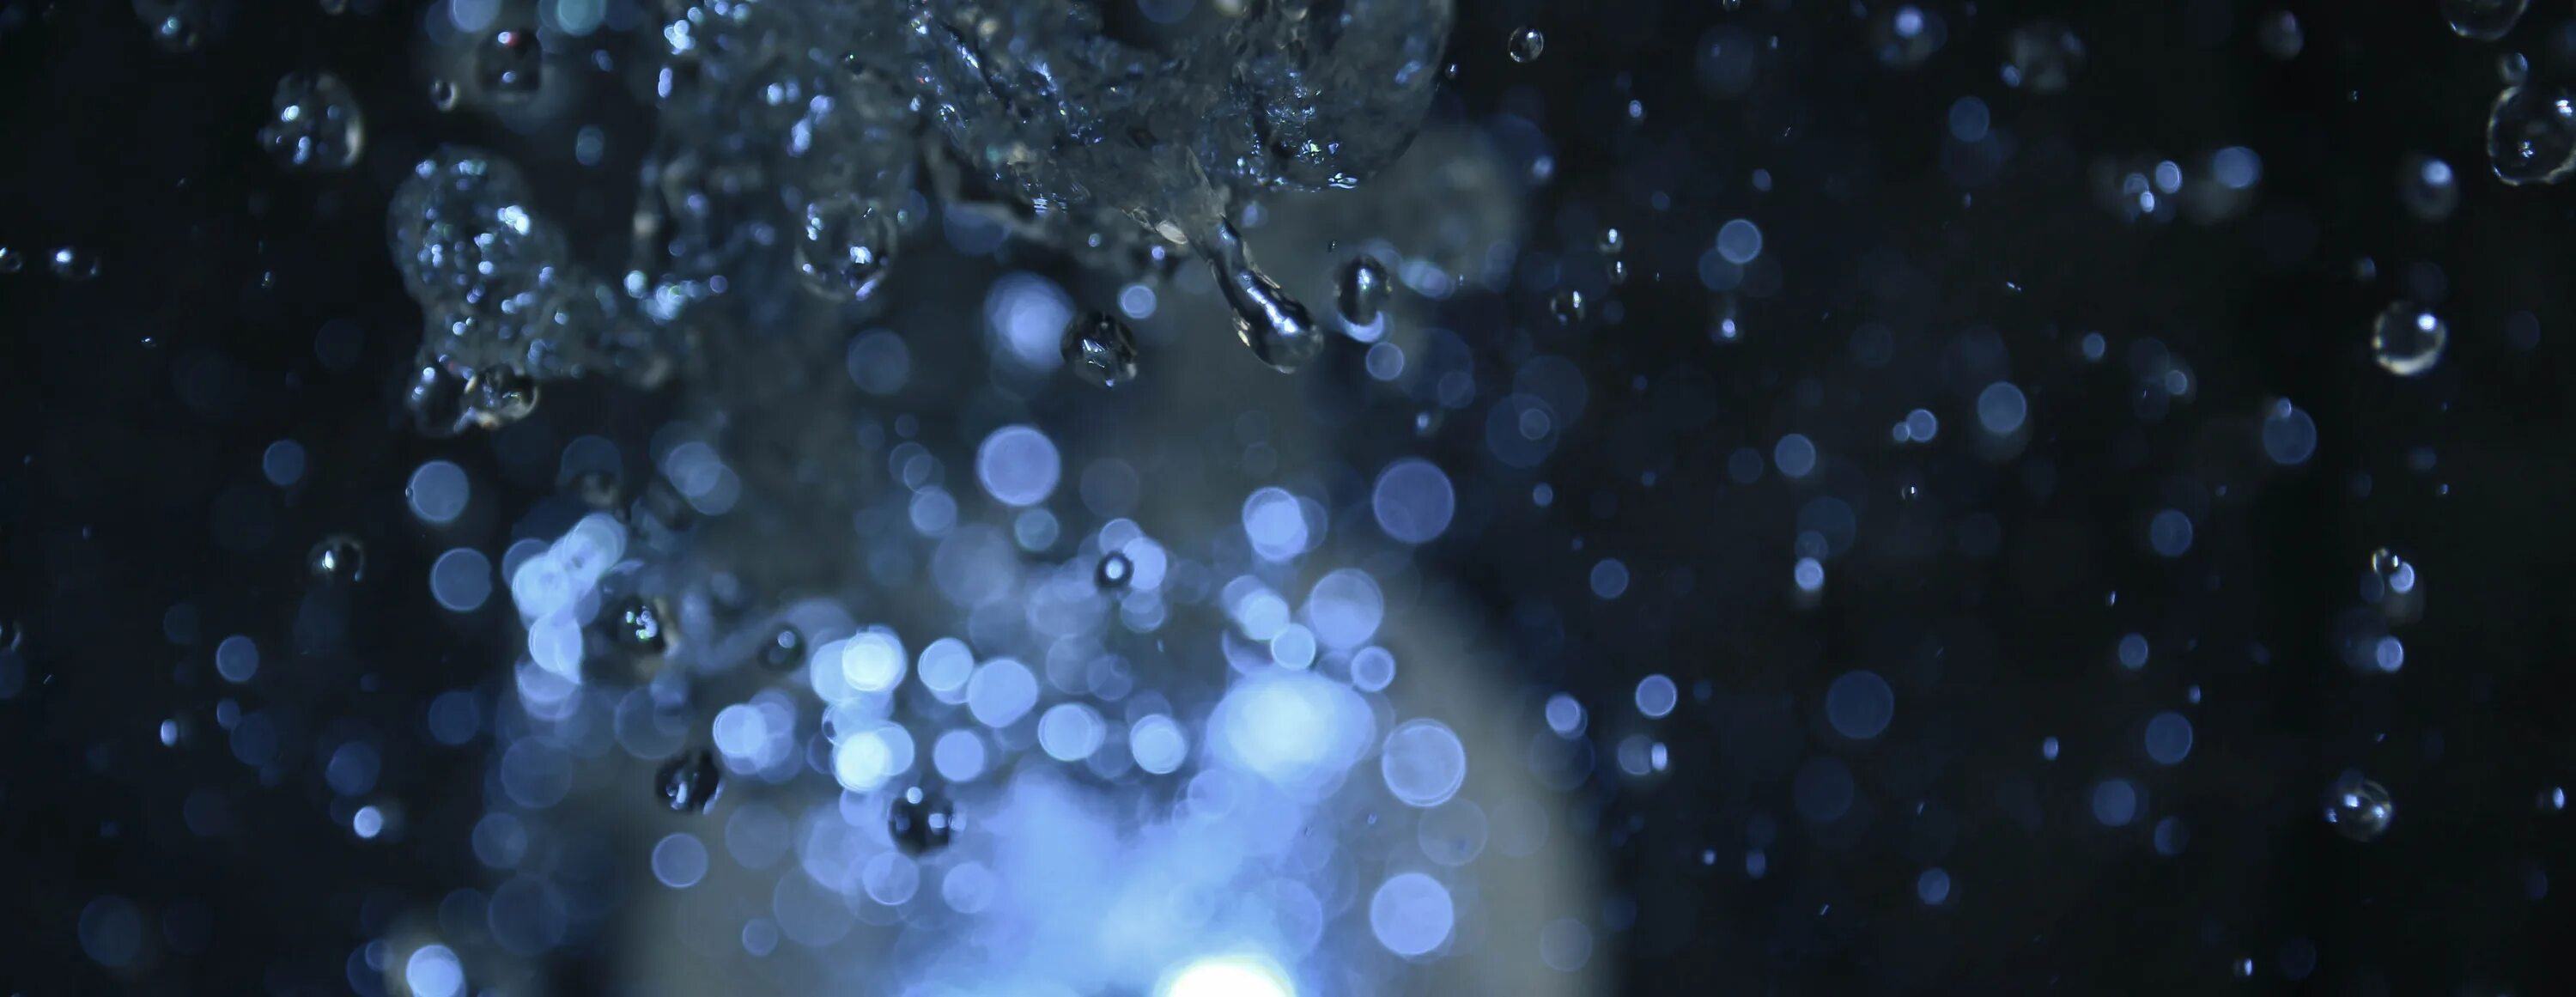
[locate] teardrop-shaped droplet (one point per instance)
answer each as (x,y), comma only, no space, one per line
(1100,348)
(1274,325)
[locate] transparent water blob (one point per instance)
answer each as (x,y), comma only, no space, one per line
(338,559)
(314,123)
(2407,340)
(2427,187)
(2359,809)
(2484,20)
(845,246)
(1527,43)
(2512,69)
(920,820)
(689,783)
(1100,348)
(443,94)
(499,396)
(1569,306)
(2043,57)
(1274,325)
(2531,134)
(1364,286)
(1902,35)
(509,66)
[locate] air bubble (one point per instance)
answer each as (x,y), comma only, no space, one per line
(2483,20)
(314,124)
(2359,809)
(443,94)
(1568,306)
(2407,340)
(690,782)
(2531,135)
(1100,348)
(2427,187)
(1115,572)
(1527,44)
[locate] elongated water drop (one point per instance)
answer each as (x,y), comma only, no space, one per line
(1278,329)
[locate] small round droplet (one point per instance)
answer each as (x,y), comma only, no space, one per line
(2484,20)
(443,94)
(174,23)
(637,628)
(2531,135)
(1100,348)
(2043,57)
(1115,571)
(314,124)
(1613,242)
(690,783)
(1364,287)
(2427,187)
(1527,43)
(75,264)
(499,396)
(509,65)
(845,246)
(2407,340)
(339,559)
(2280,35)
(1568,306)
(784,650)
(921,821)
(2396,577)
(2359,809)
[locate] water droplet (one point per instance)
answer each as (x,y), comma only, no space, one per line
(845,246)
(1568,306)
(1613,242)
(690,782)
(443,94)
(1115,571)
(1100,348)
(2359,809)
(2484,20)
(174,23)
(70,263)
(921,821)
(637,628)
(2280,35)
(509,65)
(2427,187)
(314,123)
(498,397)
(2531,135)
(1901,36)
(339,559)
(2043,57)
(11,260)
(1527,43)
(2407,340)
(1274,325)
(1364,286)
(436,401)
(2512,69)
(2396,577)
(2553,799)
(783,650)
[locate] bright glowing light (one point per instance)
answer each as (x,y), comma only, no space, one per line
(1228,976)
(1411,914)
(1297,729)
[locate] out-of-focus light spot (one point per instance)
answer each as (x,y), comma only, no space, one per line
(1808,573)
(1656,695)
(1372,669)
(1609,578)
(1565,945)
(2048,748)
(353,768)
(946,665)
(1242,975)
(2168,737)
(2171,835)
(2169,533)
(1385,361)
(2133,651)
(434,971)
(1933,887)
(958,756)
(1823,789)
(438,492)
(969,887)
(1413,501)
(1859,705)
(282,463)
(680,861)
(1275,521)
(2001,408)
(890,878)
(1297,729)
(2235,167)
(2094,346)
(2289,435)
(1411,914)
(1969,120)
(1453,833)
(237,659)
(461,580)
(1345,607)
(1423,763)
(872,661)
(1070,732)
(1564,715)
(1018,465)
(1158,744)
(367,822)
(1795,455)
(1739,241)
(864,760)
(2389,654)
(111,931)
(1002,692)
(879,362)
(1027,314)
(1137,301)
(2115,802)
(1921,426)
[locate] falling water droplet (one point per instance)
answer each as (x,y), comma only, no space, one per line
(1115,571)
(690,783)
(2531,135)
(1568,306)
(2407,340)
(70,263)
(845,247)
(339,559)
(443,94)
(2359,809)
(1527,44)
(921,821)
(1274,325)
(1364,287)
(1100,348)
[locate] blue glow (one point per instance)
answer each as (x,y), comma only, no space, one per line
(2237,167)
(1070,732)
(1859,705)
(1137,301)
(1411,914)
(1739,241)
(438,492)
(2171,835)
(1656,695)
(2168,738)
(1158,744)
(1413,501)
(2001,408)
(1809,574)
(1026,314)
(1345,608)
(1275,521)
(680,861)
(1018,465)
(1372,669)
(1002,692)
(1933,886)
(2389,654)
(2170,533)
(1564,715)
(1795,455)
(1969,119)
(461,580)
(282,463)
(2133,651)
(2289,435)
(2115,802)
(1609,578)
(1423,763)
(237,659)
(434,971)
(1246,975)
(1299,730)
(958,756)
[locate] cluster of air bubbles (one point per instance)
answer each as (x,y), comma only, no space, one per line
(509,64)
(2484,20)
(2358,808)
(1364,286)
(2407,340)
(2427,187)
(1100,348)
(314,123)
(1527,43)
(2042,57)
(338,559)
(689,782)
(2531,134)
(845,245)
